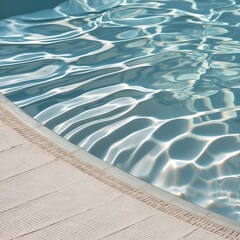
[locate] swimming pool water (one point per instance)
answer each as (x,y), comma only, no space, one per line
(152,87)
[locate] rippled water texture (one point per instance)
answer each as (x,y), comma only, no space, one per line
(151,87)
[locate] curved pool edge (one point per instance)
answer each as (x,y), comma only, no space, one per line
(115,178)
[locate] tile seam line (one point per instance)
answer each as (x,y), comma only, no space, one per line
(29,170)
(12,147)
(189,234)
(131,225)
(44,195)
(65,219)
(220,229)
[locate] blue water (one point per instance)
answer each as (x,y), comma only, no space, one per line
(151,87)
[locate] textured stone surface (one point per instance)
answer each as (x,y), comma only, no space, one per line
(201,234)
(9,138)
(22,158)
(159,226)
(97,223)
(36,183)
(54,207)
(1,123)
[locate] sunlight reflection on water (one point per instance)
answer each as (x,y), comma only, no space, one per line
(150,87)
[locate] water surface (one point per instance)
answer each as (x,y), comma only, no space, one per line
(151,87)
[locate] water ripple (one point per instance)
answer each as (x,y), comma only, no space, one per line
(151,87)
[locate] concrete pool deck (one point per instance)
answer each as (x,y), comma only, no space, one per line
(51,189)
